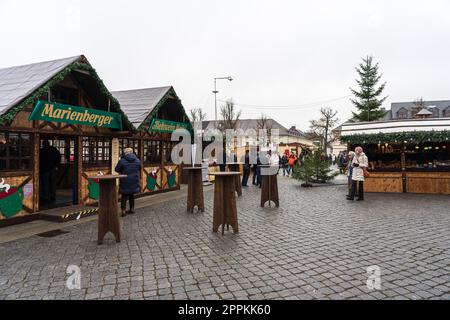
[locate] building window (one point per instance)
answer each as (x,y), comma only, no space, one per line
(435,111)
(15,151)
(129,143)
(96,151)
(402,113)
(447,112)
(152,153)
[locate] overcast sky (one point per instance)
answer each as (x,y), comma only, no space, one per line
(280,53)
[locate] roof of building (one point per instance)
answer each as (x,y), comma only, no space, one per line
(441,105)
(245,124)
(424,112)
(137,104)
(16,83)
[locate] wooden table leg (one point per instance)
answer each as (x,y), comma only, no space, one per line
(238,185)
(230,210)
(218,203)
(108,217)
(269,190)
(199,198)
(190,195)
(195,191)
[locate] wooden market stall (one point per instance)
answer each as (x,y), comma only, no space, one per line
(405,156)
(155,112)
(65,103)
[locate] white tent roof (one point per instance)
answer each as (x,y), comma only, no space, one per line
(137,104)
(16,83)
(407,125)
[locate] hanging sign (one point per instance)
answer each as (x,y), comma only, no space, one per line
(58,112)
(166,125)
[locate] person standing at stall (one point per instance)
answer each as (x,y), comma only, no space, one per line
(360,164)
(291,162)
(246,162)
(349,170)
(284,164)
(130,165)
(49,160)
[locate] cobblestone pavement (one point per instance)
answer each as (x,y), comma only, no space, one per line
(316,245)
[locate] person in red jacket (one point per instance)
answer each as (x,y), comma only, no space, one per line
(291,163)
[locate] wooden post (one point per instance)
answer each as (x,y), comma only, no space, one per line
(79,159)
(141,157)
(403,164)
(36,189)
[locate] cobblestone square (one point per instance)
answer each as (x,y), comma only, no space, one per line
(316,245)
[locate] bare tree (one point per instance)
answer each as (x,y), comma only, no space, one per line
(230,116)
(419,104)
(197,114)
(323,126)
(264,123)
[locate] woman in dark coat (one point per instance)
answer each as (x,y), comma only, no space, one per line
(130,165)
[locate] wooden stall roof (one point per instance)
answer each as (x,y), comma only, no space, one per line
(24,85)
(141,105)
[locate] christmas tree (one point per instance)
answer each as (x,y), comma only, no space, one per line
(367,99)
(314,168)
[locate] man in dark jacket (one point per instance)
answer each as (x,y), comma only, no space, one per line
(130,165)
(246,161)
(49,160)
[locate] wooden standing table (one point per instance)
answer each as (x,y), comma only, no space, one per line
(195,189)
(225,211)
(236,167)
(269,186)
(108,210)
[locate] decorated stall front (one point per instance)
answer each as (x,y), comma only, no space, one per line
(60,127)
(410,156)
(156,113)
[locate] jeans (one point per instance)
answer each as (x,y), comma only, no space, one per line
(254,175)
(123,201)
(360,189)
(258,176)
(245,175)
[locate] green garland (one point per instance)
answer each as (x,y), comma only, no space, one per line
(35,96)
(143,126)
(410,137)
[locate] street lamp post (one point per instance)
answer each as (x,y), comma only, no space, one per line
(215,92)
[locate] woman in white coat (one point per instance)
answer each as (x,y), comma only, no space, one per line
(359,163)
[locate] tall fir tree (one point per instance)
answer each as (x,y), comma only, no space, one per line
(367,98)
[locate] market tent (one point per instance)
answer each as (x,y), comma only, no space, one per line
(16,83)
(142,105)
(22,86)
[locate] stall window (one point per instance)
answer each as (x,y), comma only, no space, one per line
(426,156)
(129,143)
(15,151)
(96,151)
(152,153)
(167,150)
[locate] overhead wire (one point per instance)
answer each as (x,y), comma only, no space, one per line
(297,106)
